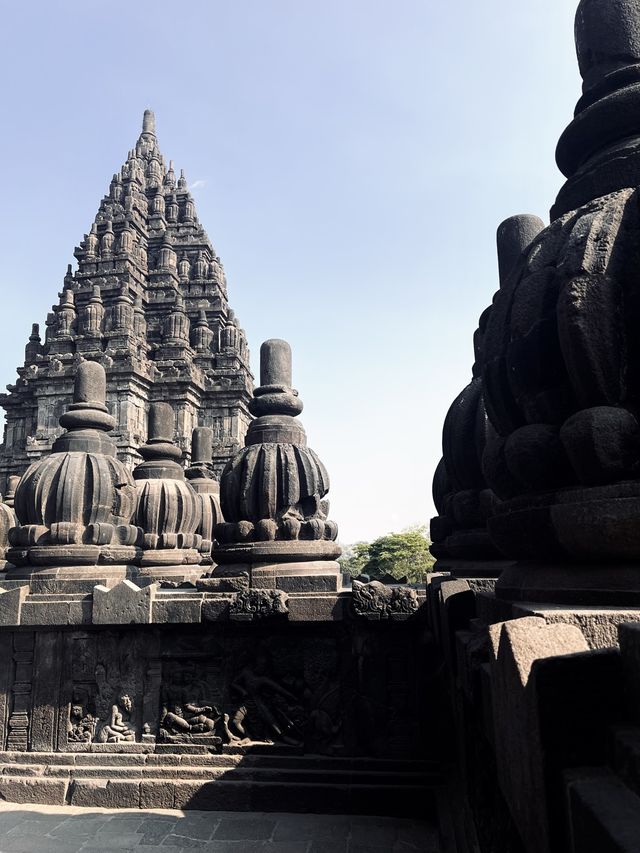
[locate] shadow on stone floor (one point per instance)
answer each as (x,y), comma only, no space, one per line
(54,829)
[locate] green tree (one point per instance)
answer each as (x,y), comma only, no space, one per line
(404,554)
(354,558)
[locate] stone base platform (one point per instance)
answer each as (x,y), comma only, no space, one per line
(236,781)
(213,695)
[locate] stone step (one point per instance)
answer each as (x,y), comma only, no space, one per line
(383,798)
(275,761)
(233,782)
(289,776)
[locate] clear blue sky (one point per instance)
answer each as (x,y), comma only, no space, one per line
(351,160)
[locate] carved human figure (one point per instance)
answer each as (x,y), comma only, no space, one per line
(81,726)
(196,721)
(118,728)
(258,691)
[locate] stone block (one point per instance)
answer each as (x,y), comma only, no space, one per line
(629,636)
(224,583)
(156,794)
(11,601)
(215,609)
(598,624)
(106,759)
(44,791)
(43,612)
(106,794)
(490,609)
(516,648)
(308,583)
(604,815)
(123,604)
(178,608)
(213,796)
(457,608)
(318,608)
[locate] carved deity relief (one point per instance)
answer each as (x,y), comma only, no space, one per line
(82,726)
(118,727)
(189,703)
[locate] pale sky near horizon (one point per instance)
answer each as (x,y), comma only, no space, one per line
(350,160)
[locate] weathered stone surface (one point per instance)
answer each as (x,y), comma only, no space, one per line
(184,608)
(599,625)
(516,647)
(156,794)
(79,501)
(43,791)
(122,604)
(11,601)
(105,794)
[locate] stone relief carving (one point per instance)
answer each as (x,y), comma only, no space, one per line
(82,726)
(118,727)
(259,604)
(374,600)
(267,710)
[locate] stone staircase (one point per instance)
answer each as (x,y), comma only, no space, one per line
(228,782)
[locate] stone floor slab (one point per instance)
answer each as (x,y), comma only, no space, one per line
(64,829)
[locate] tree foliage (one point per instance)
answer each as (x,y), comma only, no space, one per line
(404,554)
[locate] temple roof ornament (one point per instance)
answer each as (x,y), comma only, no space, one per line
(272,491)
(461,494)
(599,152)
(168,510)
(75,507)
(201,478)
(561,355)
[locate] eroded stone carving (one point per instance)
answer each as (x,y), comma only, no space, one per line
(267,711)
(118,728)
(259,604)
(82,726)
(375,600)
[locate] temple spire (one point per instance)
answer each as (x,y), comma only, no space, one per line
(149,122)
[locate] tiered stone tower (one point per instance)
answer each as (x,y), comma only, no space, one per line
(149,302)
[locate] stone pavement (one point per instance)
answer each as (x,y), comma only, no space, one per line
(63,829)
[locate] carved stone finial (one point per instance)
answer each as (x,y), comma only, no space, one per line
(201,478)
(514,235)
(599,152)
(149,122)
(462,496)
(34,346)
(75,506)
(12,485)
(202,335)
(202,446)
(93,314)
(273,510)
(168,508)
